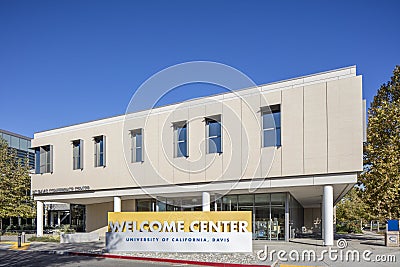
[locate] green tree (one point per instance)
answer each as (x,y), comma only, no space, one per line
(351,211)
(15,183)
(381,176)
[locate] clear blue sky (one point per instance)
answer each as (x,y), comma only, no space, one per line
(66,62)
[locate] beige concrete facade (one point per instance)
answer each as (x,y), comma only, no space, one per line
(321,136)
(95,219)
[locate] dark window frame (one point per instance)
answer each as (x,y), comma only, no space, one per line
(77,154)
(274,111)
(134,145)
(44,159)
(178,127)
(99,151)
(210,138)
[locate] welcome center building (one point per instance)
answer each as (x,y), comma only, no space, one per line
(287,151)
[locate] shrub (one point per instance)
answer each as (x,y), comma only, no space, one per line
(46,238)
(348,227)
(66,229)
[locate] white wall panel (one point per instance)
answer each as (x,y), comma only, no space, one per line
(292,131)
(315,129)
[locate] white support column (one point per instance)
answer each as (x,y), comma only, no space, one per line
(117,204)
(39,218)
(59,218)
(287,218)
(322,217)
(206,201)
(328,215)
(46,216)
(51,218)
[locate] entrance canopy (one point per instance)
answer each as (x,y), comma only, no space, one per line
(307,190)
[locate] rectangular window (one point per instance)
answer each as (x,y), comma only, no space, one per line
(44,159)
(271,126)
(214,136)
(14,142)
(7,137)
(77,154)
(180,139)
(137,145)
(99,151)
(23,144)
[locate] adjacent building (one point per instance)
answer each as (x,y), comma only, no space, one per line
(21,144)
(55,213)
(287,151)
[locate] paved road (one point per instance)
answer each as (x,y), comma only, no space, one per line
(36,258)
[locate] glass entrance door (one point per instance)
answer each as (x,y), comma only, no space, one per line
(262,216)
(268,213)
(78,217)
(277,222)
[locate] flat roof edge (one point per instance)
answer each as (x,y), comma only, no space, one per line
(15,134)
(308,75)
(224,93)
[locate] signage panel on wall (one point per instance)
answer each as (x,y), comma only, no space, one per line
(192,231)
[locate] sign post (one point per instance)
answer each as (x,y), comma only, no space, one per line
(392,233)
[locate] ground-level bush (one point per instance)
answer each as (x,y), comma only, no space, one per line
(348,227)
(46,238)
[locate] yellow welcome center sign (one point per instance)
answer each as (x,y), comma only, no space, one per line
(192,231)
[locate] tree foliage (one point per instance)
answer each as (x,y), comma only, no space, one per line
(351,212)
(352,208)
(15,184)
(381,176)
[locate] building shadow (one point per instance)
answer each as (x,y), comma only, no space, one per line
(37,258)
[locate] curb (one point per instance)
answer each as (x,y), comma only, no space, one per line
(203,263)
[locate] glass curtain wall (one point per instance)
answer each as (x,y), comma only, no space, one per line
(296,215)
(145,205)
(268,211)
(277,222)
(262,216)
(78,217)
(168,204)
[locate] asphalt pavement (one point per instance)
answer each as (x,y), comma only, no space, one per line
(40,259)
(361,250)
